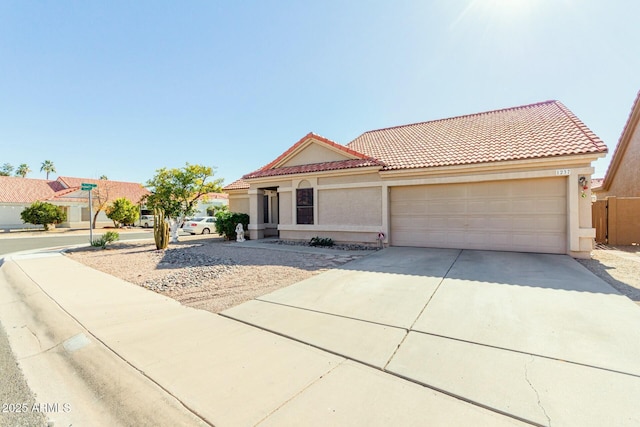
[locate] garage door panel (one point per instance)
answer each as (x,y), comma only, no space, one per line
(519,215)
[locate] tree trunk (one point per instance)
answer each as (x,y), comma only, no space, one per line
(174,228)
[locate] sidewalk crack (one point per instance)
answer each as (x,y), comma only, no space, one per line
(526,377)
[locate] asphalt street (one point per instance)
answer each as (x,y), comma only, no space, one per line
(12,243)
(17,403)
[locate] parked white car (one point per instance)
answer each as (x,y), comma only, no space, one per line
(146,221)
(200,225)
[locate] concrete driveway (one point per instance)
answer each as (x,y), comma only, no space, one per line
(534,336)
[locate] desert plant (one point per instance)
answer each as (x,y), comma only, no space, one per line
(321,241)
(160,229)
(226,223)
(106,238)
(43,213)
(122,211)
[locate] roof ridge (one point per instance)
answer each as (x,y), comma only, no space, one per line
(535,104)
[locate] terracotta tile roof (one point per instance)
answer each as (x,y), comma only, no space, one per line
(530,131)
(238,184)
(216,196)
(314,167)
(27,190)
(130,190)
(317,137)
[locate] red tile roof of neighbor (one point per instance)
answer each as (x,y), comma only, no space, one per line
(539,130)
(27,190)
(531,131)
(238,184)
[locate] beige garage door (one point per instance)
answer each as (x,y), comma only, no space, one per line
(518,215)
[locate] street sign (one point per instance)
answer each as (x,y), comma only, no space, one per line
(87,187)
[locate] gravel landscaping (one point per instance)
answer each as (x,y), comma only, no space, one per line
(208,273)
(618,266)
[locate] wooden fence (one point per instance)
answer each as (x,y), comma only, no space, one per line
(617,220)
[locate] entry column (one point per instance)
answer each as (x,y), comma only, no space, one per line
(256,222)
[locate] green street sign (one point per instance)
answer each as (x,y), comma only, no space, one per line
(87,187)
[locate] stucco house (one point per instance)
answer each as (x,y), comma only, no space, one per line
(16,193)
(616,211)
(623,175)
(510,179)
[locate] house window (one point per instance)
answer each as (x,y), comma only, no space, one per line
(304,205)
(265,209)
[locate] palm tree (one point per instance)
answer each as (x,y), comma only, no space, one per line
(48,167)
(23,170)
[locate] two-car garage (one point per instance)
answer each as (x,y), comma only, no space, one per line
(525,215)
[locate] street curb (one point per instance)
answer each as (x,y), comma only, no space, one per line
(47,340)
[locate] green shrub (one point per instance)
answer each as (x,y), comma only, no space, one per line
(108,237)
(226,223)
(122,211)
(43,213)
(321,241)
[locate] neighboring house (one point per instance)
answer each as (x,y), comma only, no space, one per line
(16,193)
(211,199)
(623,175)
(501,180)
(616,213)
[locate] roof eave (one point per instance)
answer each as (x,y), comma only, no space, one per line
(303,175)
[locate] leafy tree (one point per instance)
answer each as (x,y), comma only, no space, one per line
(23,170)
(177,191)
(48,167)
(6,169)
(43,213)
(122,211)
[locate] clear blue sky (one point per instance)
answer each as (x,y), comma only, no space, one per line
(122,88)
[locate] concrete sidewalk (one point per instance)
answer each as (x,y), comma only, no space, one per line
(143,359)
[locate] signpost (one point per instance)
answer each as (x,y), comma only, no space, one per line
(88,187)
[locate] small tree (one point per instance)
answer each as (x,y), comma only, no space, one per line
(100,197)
(122,211)
(43,213)
(6,169)
(177,191)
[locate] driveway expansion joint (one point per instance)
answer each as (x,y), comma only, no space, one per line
(299,393)
(384,370)
(326,313)
(528,354)
(444,276)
